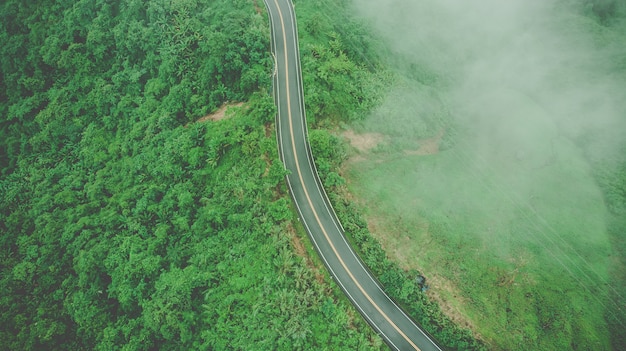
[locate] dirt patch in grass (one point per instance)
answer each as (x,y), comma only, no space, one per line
(363,142)
(297,243)
(301,251)
(257,7)
(450,301)
(220,114)
(428,146)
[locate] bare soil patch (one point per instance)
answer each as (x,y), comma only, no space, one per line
(363,142)
(428,146)
(257,7)
(300,250)
(450,305)
(220,114)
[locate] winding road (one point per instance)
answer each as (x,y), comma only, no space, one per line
(315,211)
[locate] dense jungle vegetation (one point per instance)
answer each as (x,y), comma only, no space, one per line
(125,224)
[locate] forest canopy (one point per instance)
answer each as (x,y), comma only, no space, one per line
(125,223)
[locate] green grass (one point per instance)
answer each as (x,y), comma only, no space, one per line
(512,216)
(518,234)
(509,252)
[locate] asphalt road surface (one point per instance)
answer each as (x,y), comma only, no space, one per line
(316,213)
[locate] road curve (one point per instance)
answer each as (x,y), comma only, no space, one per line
(315,211)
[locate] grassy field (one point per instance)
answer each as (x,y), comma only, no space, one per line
(515,243)
(483,184)
(503,243)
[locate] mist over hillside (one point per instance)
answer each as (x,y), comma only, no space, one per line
(531,99)
(489,52)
